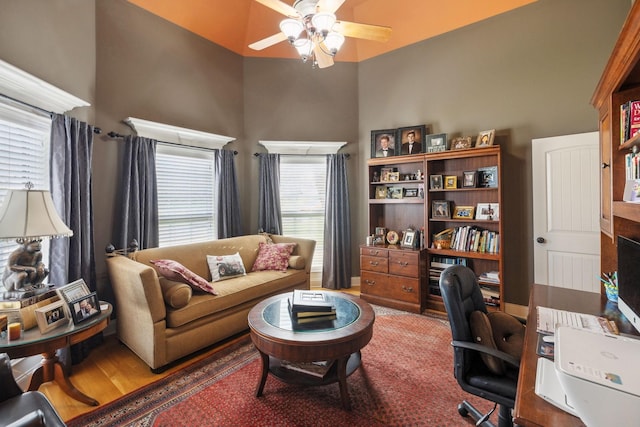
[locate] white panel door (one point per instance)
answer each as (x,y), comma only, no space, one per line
(566,205)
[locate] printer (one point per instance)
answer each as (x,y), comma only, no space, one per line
(600,376)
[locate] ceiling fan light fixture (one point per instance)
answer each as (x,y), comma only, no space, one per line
(304,48)
(291,28)
(323,22)
(334,41)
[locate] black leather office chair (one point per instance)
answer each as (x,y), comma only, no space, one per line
(23,409)
(463,301)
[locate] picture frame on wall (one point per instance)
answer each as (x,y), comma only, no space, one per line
(485,138)
(383,143)
(411,139)
(435,143)
(85,308)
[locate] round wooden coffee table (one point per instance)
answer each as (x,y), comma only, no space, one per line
(277,339)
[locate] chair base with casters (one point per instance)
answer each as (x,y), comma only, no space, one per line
(484,370)
(22,409)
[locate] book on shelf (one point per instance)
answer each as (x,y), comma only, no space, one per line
(474,239)
(315,369)
(629,120)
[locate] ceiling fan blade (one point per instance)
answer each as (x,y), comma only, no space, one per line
(280,7)
(323,59)
(267,42)
(329,5)
(363,31)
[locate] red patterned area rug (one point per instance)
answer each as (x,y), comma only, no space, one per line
(406,379)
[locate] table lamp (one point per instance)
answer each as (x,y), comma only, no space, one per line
(28,215)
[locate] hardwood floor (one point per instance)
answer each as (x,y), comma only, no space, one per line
(112,371)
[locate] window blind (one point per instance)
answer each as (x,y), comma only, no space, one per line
(186,195)
(24,157)
(302,200)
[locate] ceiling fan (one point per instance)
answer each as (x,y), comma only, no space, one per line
(311,27)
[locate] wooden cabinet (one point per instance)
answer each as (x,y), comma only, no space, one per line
(619,83)
(393,276)
(403,277)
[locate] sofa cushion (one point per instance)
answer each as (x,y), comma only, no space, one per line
(175,294)
(224,267)
(273,256)
(234,293)
(177,272)
(297,262)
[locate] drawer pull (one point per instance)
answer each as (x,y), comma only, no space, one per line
(370,282)
(403,264)
(407,289)
(374,253)
(374,263)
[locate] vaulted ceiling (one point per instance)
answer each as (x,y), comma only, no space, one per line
(234,24)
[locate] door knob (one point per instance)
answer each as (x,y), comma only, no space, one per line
(540,240)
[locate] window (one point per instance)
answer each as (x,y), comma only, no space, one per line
(186,195)
(24,157)
(302,200)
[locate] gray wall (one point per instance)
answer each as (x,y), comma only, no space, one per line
(528,73)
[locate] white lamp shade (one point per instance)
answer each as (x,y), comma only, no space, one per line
(303,46)
(334,41)
(291,28)
(30,214)
(323,21)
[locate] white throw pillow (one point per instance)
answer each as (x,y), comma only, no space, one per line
(225,266)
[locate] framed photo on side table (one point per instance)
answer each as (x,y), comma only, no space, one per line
(85,308)
(51,316)
(73,291)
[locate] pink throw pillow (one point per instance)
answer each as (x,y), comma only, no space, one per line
(274,256)
(177,272)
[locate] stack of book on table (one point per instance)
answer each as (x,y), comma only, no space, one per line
(315,369)
(311,306)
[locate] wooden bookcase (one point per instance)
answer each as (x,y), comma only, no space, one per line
(619,83)
(380,281)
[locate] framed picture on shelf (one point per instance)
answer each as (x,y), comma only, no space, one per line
(411,192)
(469,179)
(393,177)
(395,192)
(488,177)
(488,211)
(51,316)
(381,192)
(463,212)
(383,143)
(461,143)
(435,182)
(384,173)
(408,239)
(485,138)
(436,142)
(450,182)
(411,139)
(85,308)
(440,209)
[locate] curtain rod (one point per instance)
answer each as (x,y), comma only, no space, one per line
(305,155)
(96,129)
(114,135)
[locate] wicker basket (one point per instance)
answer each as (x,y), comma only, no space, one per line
(442,240)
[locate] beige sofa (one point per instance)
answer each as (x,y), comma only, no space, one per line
(148,321)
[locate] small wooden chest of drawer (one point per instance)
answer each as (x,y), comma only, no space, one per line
(383,285)
(404,263)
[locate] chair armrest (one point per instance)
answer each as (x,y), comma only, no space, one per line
(487,350)
(9,387)
(32,419)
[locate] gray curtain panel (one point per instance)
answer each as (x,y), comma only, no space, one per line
(71,152)
(269,212)
(336,268)
(229,217)
(137,194)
